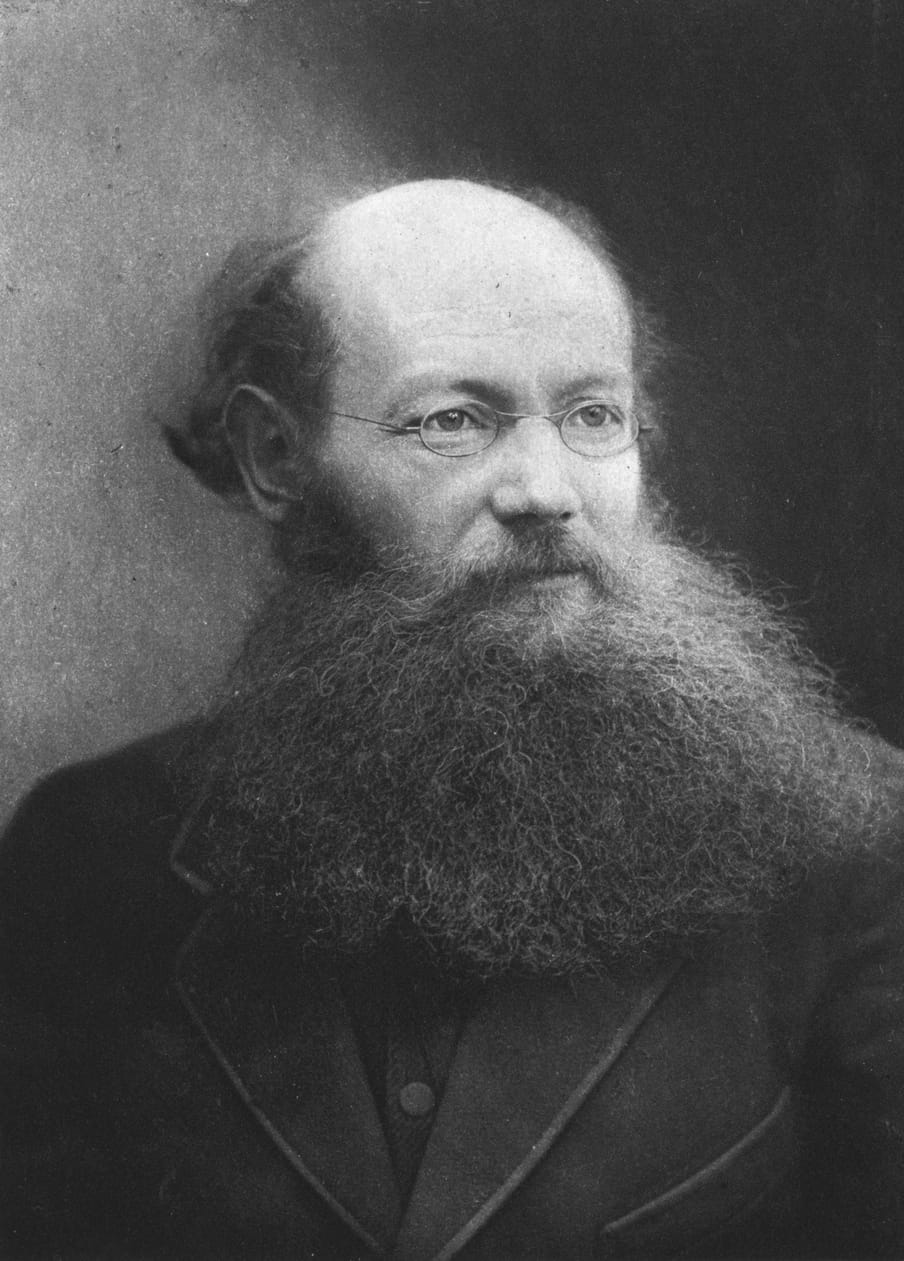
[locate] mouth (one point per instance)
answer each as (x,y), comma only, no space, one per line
(536,573)
(553,582)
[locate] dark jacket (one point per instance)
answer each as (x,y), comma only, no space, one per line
(176,1088)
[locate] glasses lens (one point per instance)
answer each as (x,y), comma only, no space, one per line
(596,429)
(463,430)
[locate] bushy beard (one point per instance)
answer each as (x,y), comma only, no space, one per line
(524,775)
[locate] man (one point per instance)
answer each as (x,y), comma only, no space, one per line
(529,897)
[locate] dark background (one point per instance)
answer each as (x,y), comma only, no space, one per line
(746,156)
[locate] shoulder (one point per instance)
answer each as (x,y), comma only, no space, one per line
(884,769)
(863,886)
(115,782)
(107,811)
(867,879)
(84,863)
(852,1072)
(838,940)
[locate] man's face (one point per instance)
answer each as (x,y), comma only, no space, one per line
(453,294)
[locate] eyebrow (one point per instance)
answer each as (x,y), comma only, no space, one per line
(434,380)
(597,382)
(592,385)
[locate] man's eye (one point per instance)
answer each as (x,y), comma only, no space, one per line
(453,420)
(595,416)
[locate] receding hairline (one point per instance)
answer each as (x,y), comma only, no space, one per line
(399,212)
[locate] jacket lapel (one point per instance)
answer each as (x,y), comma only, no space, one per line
(529,1054)
(527,1059)
(282,1035)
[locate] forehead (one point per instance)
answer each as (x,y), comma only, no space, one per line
(447,259)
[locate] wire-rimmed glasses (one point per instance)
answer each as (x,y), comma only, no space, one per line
(593,428)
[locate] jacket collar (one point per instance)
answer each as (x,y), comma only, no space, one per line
(529,1054)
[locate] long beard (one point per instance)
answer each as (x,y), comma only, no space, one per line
(520,778)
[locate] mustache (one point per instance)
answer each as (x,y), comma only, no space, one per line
(516,559)
(542,552)
(413,595)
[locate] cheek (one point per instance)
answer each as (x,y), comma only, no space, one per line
(419,515)
(398,503)
(613,489)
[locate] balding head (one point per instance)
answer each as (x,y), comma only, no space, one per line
(462,241)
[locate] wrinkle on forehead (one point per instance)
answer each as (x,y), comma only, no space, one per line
(517,321)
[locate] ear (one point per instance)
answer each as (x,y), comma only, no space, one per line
(264,442)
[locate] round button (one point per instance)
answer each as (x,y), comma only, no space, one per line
(417,1099)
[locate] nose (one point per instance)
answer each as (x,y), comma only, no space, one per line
(533,474)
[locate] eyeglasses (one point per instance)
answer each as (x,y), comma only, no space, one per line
(594,428)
